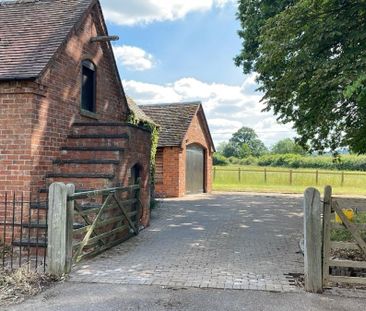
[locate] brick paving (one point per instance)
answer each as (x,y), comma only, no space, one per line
(225,241)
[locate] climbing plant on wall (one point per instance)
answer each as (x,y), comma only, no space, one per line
(153,128)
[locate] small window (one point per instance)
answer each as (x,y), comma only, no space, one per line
(88,86)
(135,174)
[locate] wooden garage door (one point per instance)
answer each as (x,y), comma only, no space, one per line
(194,169)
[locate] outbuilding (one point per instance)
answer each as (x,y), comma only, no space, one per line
(185,148)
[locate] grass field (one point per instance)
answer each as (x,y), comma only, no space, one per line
(284,180)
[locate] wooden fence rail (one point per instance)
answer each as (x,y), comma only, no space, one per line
(266,173)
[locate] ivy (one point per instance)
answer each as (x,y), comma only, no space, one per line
(134,120)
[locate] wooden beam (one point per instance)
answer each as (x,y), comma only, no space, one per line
(313,241)
(104,38)
(327,209)
(57,236)
(70,188)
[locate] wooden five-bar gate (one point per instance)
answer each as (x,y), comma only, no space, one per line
(69,227)
(333,206)
(85,224)
(332,259)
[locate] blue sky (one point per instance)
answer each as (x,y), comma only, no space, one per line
(176,51)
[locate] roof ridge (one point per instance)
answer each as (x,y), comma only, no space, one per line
(171,104)
(12,2)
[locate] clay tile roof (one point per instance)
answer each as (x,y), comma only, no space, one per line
(31,32)
(173,119)
(139,113)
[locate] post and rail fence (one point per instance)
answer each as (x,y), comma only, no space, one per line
(289,177)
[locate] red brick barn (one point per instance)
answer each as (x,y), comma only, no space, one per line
(185,148)
(63,110)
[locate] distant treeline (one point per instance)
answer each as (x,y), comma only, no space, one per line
(343,162)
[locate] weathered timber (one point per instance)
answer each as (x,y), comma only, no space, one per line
(89,194)
(347,263)
(104,38)
(91,230)
(57,219)
(313,241)
(327,209)
(104,235)
(103,248)
(358,204)
(124,212)
(69,228)
(344,245)
(102,223)
(347,280)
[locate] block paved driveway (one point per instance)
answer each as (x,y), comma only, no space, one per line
(223,240)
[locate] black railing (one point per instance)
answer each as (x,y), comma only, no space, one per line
(23,232)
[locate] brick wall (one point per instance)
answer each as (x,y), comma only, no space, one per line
(138,154)
(54,114)
(172,160)
(36,117)
(16,119)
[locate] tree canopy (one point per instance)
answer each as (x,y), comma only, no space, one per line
(244,143)
(287,145)
(311,64)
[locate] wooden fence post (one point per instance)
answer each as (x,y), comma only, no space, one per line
(342,179)
(290,177)
(214,175)
(265,175)
(316,177)
(57,218)
(327,209)
(312,241)
(69,228)
(239,173)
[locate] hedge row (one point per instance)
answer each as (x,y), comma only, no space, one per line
(344,162)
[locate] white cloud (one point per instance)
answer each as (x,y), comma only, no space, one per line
(146,93)
(148,11)
(227,107)
(133,58)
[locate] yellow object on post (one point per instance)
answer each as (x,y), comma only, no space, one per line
(348,212)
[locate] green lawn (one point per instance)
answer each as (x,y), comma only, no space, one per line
(284,180)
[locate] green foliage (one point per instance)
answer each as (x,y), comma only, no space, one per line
(244,143)
(253,16)
(343,234)
(132,119)
(287,145)
(345,162)
(219,159)
(309,56)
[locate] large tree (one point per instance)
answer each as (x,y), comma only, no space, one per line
(287,145)
(243,143)
(310,56)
